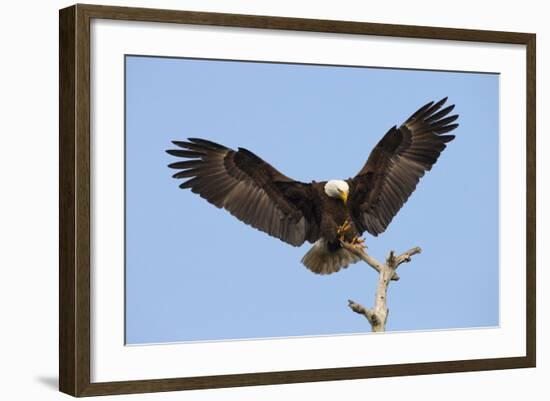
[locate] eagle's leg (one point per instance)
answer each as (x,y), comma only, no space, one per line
(342,230)
(356,241)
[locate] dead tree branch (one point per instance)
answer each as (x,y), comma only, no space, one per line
(378,315)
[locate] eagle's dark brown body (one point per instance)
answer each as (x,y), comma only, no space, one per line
(333,214)
(295,212)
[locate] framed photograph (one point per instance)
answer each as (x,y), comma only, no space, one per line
(251,200)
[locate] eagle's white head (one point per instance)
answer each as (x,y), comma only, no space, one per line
(338,189)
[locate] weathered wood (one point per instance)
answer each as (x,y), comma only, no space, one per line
(378,314)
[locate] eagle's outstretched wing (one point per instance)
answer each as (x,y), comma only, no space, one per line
(249,188)
(396,164)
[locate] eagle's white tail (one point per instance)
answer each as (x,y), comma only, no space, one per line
(321,260)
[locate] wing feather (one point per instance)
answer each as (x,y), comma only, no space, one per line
(396,165)
(249,188)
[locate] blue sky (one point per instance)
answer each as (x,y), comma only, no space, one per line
(195,273)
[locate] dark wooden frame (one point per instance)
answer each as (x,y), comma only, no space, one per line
(74,199)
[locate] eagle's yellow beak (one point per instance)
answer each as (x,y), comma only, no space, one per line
(345,197)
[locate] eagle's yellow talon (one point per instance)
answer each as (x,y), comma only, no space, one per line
(358,242)
(343,229)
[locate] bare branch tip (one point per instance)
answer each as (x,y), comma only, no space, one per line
(415,250)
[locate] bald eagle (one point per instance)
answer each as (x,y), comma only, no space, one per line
(323,213)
